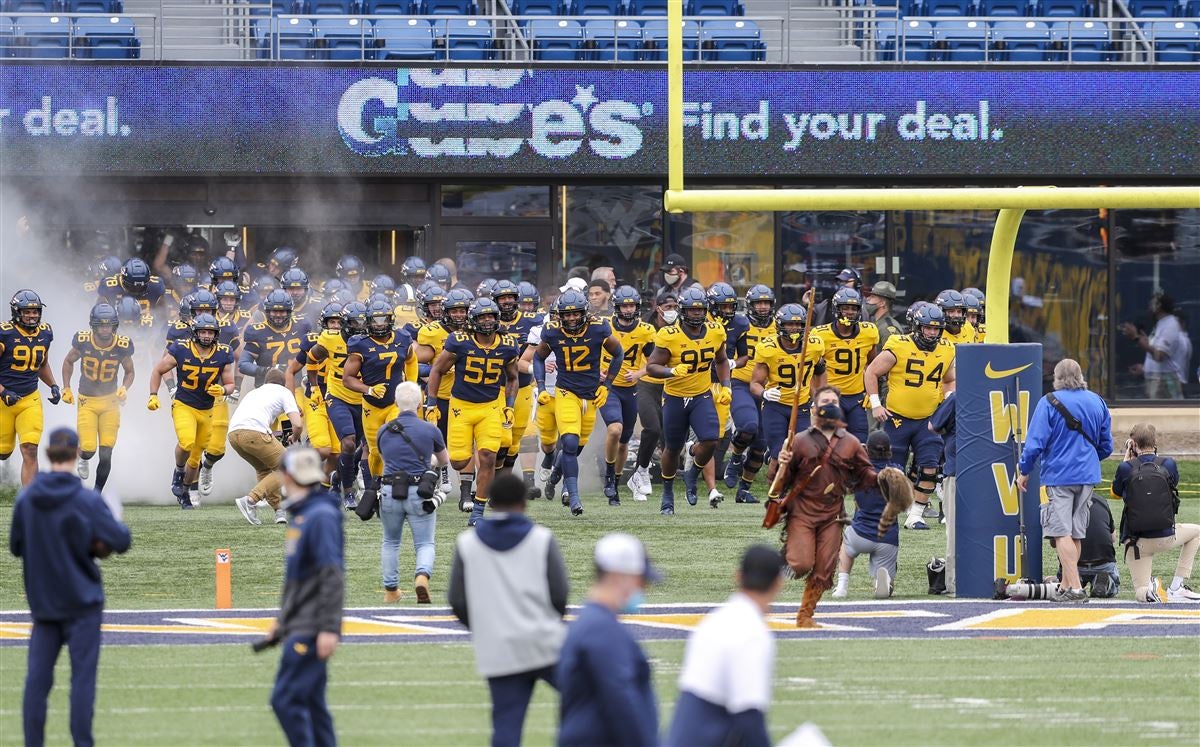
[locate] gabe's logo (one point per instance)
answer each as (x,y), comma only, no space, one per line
(474,114)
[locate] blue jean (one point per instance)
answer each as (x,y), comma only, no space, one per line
(82,639)
(394,513)
(510,700)
(299,696)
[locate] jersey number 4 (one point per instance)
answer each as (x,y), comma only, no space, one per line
(915,376)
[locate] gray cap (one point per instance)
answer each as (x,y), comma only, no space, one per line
(304,465)
(883,289)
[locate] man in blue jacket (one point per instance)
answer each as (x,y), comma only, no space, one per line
(603,675)
(1070,431)
(59,528)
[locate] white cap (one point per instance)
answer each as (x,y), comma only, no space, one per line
(578,284)
(304,465)
(623,553)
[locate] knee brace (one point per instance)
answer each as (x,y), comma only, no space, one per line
(742,440)
(89,454)
(211,459)
(569,444)
(510,460)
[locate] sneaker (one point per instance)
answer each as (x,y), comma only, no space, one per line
(280,516)
(1156,593)
(930,512)
(841,592)
(689,484)
(248,510)
(667,511)
(1182,594)
(634,483)
(915,522)
(744,496)
(83,468)
(733,469)
(610,487)
(205,481)
(1070,596)
(715,498)
(883,583)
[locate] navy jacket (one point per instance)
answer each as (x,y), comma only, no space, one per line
(604,679)
(314,579)
(56,524)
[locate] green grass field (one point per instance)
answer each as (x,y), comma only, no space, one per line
(1054,691)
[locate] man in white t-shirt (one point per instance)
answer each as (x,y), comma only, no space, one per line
(725,686)
(252,436)
(1164,348)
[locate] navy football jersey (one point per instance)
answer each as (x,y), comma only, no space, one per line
(110,290)
(578,356)
(21,355)
(382,363)
(197,371)
(98,365)
(519,329)
(267,346)
(479,371)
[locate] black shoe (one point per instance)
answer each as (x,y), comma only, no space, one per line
(667,511)
(577,511)
(745,496)
(614,501)
(610,487)
(464,499)
(535,493)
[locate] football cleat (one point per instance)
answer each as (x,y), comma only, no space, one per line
(206,481)
(610,488)
(543,474)
(565,498)
(667,511)
(82,468)
(688,459)
(614,501)
(689,484)
(464,497)
(930,512)
(915,521)
(733,469)
(841,592)
(348,500)
(744,496)
(193,497)
(577,510)
(534,493)
(553,479)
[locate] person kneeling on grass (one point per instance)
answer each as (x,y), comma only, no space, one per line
(1148,484)
(862,536)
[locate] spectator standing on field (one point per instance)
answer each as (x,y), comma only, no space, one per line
(510,580)
(310,614)
(252,436)
(1142,475)
(1069,433)
(604,677)
(59,528)
(725,685)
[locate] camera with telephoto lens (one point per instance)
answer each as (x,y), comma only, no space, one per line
(430,504)
(427,486)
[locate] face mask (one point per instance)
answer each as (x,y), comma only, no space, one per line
(871,309)
(634,603)
(671,277)
(670,317)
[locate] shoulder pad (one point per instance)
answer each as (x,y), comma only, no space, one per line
(122,341)
(83,336)
(868,325)
(44,327)
(259,326)
(111,282)
(6,326)
(223,348)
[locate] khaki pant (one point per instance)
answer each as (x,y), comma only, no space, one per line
(264,453)
(1186,536)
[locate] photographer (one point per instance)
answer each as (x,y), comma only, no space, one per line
(1148,484)
(408,444)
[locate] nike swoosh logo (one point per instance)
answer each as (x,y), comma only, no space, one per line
(992,373)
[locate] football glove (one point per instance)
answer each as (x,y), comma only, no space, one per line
(544,397)
(55,395)
(68,397)
(773,394)
(682,369)
(724,396)
(10,397)
(152,404)
(122,394)
(432,414)
(378,391)
(601,396)
(509,417)
(215,390)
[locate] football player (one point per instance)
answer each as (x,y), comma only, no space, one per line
(229,312)
(749,447)
(317,426)
(920,370)
(325,364)
(781,378)
(484,363)
(546,425)
(270,343)
(282,259)
(529,299)
(954,309)
(205,371)
(134,280)
(204,301)
(975,311)
(253,300)
(849,345)
(412,274)
(183,282)
(576,342)
(295,283)
(221,269)
(350,270)
(24,359)
(440,274)
(376,363)
(637,341)
(100,353)
(684,355)
(517,323)
(431,339)
(105,268)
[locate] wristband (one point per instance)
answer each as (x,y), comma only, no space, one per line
(875,401)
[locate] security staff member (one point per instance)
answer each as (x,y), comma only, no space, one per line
(407,445)
(310,614)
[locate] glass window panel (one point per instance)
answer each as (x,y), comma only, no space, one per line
(735,247)
(1158,260)
(618,227)
(512,260)
(818,245)
(496,200)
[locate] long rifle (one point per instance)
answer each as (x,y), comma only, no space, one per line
(777,483)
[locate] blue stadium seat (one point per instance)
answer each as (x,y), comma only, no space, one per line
(1005,8)
(464,39)
(642,8)
(1174,41)
(344,39)
(538,7)
(1020,41)
(7,37)
(403,39)
(961,41)
(598,8)
(294,40)
(278,8)
(654,39)
(556,39)
(949,8)
(729,40)
(1154,8)
(904,40)
(389,7)
(112,38)
(1081,41)
(449,8)
(115,7)
(28,6)
(722,8)
(42,37)
(1065,8)
(332,7)
(613,40)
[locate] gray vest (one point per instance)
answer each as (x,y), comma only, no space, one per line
(514,626)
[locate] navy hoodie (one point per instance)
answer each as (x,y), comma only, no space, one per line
(56,522)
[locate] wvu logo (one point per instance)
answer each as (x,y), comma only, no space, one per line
(456,411)
(896,423)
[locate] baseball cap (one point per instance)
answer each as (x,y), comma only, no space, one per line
(884,289)
(578,284)
(672,261)
(623,553)
(304,465)
(63,437)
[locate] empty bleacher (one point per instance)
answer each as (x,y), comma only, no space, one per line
(52,35)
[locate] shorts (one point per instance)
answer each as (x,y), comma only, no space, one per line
(220,428)
(574,415)
(98,418)
(22,420)
(474,426)
(346,418)
(775,419)
(699,414)
(745,412)
(317,425)
(855,412)
(522,412)
(192,429)
(373,419)
(880,554)
(547,425)
(1067,512)
(621,407)
(907,435)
